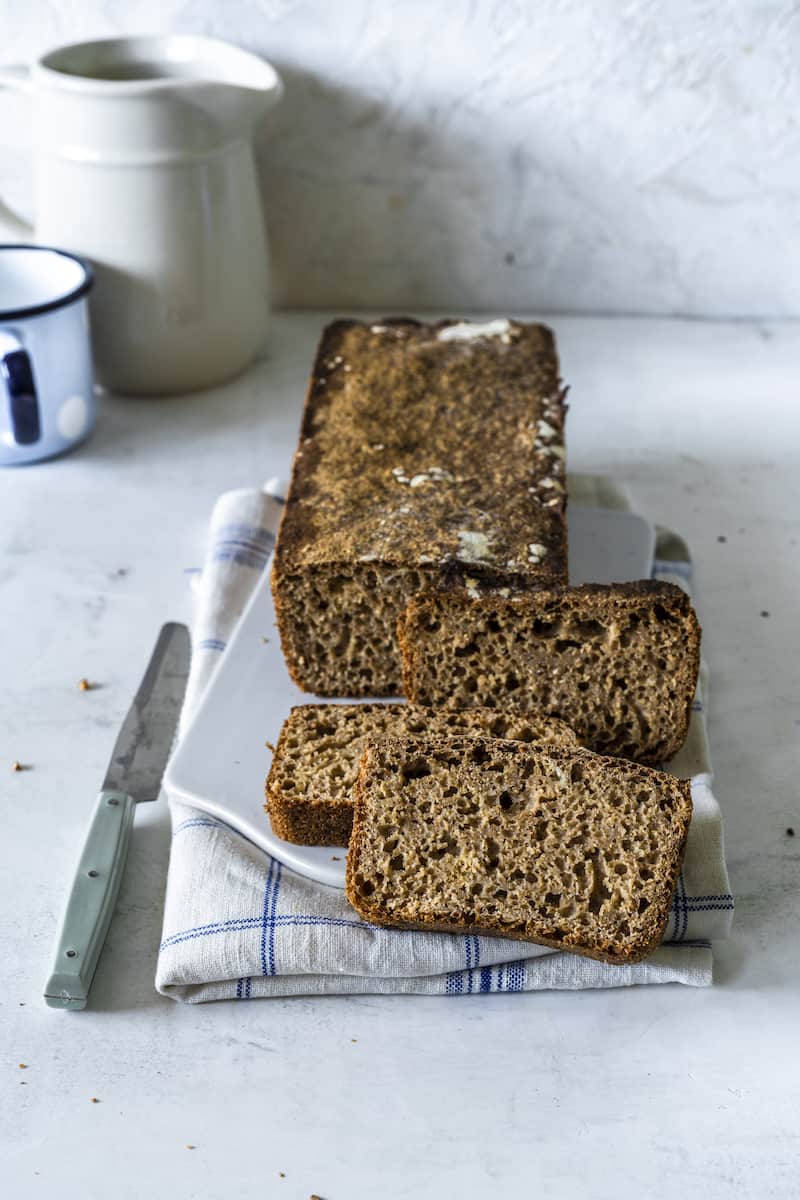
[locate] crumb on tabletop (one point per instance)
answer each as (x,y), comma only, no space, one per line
(264,640)
(95,1100)
(282,1174)
(335,858)
(790,832)
(353,1039)
(84,685)
(764,612)
(270,746)
(189,1146)
(17,765)
(23,1066)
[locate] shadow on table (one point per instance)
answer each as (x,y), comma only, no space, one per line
(126,971)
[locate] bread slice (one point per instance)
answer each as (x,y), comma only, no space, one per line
(619,662)
(560,847)
(428,455)
(315,765)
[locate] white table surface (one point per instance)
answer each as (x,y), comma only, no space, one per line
(644,1092)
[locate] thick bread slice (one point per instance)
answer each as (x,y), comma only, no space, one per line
(618,662)
(430,456)
(315,765)
(560,847)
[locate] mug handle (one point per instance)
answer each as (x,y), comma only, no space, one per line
(16,371)
(12,226)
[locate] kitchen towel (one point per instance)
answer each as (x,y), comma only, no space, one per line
(238,924)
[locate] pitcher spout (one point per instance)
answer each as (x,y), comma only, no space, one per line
(232,86)
(225,87)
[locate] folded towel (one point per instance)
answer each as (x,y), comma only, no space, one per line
(238,924)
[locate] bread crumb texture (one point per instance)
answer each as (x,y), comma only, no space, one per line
(561,847)
(310,784)
(618,663)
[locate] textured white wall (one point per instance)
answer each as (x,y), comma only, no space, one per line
(623,155)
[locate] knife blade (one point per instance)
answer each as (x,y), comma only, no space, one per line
(134,775)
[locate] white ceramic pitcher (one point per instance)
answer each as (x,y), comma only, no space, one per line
(144,165)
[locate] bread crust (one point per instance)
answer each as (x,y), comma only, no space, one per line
(643,947)
(335,517)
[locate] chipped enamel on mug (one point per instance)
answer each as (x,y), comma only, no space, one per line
(47,402)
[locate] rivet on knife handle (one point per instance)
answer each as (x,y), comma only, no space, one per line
(91,901)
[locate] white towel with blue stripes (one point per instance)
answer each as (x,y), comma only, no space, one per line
(238,924)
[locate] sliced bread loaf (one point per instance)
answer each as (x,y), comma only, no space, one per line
(561,847)
(429,455)
(315,765)
(618,662)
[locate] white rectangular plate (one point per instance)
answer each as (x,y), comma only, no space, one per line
(222,762)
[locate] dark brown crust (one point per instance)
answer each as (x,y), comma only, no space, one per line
(304,548)
(618,594)
(658,917)
(304,822)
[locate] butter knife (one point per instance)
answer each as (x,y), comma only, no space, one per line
(134,775)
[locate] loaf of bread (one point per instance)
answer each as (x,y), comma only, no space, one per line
(561,847)
(315,764)
(618,663)
(429,455)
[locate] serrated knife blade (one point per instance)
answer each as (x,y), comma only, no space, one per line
(142,748)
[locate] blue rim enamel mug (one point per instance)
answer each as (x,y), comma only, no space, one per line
(47,401)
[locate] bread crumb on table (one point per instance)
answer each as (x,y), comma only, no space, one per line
(86,686)
(189,1146)
(95,1100)
(23,1066)
(17,766)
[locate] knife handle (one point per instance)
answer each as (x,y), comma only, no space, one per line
(91,901)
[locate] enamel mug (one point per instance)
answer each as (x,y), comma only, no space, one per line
(143,163)
(46,394)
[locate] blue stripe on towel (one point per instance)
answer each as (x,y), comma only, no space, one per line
(194,822)
(265,915)
(247,545)
(272,919)
(516,976)
(671,566)
(454,984)
(211,644)
(243,988)
(234,925)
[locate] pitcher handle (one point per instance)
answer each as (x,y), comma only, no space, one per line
(12,226)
